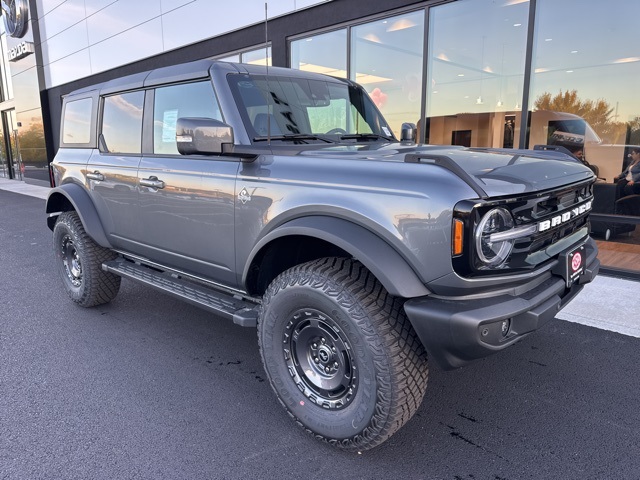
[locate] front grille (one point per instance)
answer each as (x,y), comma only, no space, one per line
(531,251)
(527,252)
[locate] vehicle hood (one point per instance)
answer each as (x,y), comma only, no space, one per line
(496,172)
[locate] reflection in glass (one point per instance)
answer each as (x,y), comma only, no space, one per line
(387,58)
(304,111)
(476,72)
(32,150)
(76,123)
(230,58)
(4,156)
(7,83)
(259,56)
(122,122)
(326,53)
(592,76)
(177,101)
(584,91)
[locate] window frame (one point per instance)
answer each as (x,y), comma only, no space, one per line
(148,119)
(100,122)
(94,97)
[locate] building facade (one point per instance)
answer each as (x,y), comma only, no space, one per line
(516,74)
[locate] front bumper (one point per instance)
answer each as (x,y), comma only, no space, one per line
(457,331)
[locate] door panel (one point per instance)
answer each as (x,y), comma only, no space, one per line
(112,172)
(112,181)
(187,220)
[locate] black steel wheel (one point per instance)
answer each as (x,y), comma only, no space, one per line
(340,353)
(320,358)
(79,260)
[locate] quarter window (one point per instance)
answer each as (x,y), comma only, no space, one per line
(122,123)
(178,101)
(76,125)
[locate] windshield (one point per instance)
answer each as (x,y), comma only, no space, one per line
(305,111)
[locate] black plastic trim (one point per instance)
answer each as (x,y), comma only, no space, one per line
(386,264)
(449,164)
(458,331)
(83,205)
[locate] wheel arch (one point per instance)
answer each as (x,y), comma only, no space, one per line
(329,236)
(73,197)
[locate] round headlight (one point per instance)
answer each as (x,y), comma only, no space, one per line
(493,253)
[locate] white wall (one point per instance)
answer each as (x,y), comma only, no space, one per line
(83,37)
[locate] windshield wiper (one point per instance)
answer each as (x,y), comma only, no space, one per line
(293,136)
(365,136)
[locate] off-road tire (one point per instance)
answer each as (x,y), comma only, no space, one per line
(378,368)
(79,260)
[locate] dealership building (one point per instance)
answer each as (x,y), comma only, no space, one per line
(512,74)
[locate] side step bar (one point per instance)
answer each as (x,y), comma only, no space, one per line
(242,312)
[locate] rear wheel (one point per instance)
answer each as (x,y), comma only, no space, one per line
(79,260)
(340,353)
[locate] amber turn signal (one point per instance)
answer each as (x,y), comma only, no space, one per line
(456,244)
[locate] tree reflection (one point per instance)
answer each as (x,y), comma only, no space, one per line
(598,113)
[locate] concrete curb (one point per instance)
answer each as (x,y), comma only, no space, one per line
(23,188)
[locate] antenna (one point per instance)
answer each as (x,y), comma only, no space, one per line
(266,61)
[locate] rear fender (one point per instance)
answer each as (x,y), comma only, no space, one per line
(73,197)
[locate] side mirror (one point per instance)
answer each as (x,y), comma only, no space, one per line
(203,136)
(408,133)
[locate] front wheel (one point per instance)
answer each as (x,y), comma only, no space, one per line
(79,261)
(340,353)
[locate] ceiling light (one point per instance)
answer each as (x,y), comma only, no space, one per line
(548,39)
(627,60)
(569,71)
(517,24)
(461,74)
(401,24)
(574,51)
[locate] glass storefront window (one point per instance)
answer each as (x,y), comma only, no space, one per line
(387,60)
(325,53)
(476,63)
(584,97)
(259,56)
(590,75)
(254,56)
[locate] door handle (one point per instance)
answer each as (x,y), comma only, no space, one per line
(95,176)
(152,182)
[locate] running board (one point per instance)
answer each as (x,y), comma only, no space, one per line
(242,312)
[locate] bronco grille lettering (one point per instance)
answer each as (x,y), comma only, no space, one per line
(564,217)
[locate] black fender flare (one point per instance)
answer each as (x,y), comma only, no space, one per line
(380,258)
(82,204)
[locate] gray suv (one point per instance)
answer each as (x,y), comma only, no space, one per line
(282,200)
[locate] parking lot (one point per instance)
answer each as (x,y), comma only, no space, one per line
(149,387)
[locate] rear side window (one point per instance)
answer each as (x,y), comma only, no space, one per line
(177,101)
(122,123)
(76,124)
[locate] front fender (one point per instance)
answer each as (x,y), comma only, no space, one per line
(388,266)
(59,200)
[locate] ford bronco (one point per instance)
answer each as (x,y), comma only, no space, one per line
(282,200)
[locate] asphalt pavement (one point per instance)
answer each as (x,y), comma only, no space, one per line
(149,387)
